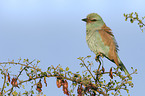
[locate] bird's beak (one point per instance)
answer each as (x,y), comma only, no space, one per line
(85,19)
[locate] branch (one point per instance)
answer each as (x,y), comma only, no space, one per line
(88,69)
(5,75)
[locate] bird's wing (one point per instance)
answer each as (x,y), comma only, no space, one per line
(109,40)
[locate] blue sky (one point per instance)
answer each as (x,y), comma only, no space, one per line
(52,31)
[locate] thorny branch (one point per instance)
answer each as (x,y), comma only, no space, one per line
(59,72)
(5,75)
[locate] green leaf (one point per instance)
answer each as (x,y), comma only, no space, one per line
(127,90)
(15,93)
(23,86)
(131,20)
(70,72)
(38,61)
(32,70)
(104,81)
(77,72)
(48,68)
(89,56)
(81,63)
(24,60)
(85,73)
(129,82)
(67,69)
(61,69)
(48,72)
(8,84)
(112,93)
(43,73)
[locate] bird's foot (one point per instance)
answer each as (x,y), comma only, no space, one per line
(98,56)
(101,54)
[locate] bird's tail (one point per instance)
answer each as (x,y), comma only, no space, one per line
(123,68)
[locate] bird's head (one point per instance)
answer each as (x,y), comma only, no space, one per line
(93,18)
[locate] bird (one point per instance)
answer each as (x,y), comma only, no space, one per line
(101,40)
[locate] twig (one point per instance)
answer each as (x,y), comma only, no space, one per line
(5,75)
(88,69)
(17,79)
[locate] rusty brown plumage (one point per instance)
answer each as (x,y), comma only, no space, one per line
(108,39)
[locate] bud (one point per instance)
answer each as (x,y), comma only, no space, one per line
(59,83)
(39,86)
(14,82)
(111,75)
(8,77)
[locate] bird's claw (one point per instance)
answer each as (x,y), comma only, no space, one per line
(98,55)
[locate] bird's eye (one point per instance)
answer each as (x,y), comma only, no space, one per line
(93,20)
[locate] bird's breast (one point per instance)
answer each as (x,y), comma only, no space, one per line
(95,42)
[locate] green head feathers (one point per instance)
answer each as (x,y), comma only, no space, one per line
(93,17)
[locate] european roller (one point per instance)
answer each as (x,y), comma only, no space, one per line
(101,40)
